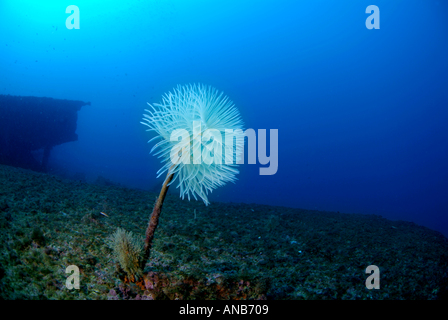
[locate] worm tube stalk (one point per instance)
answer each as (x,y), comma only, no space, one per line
(154,220)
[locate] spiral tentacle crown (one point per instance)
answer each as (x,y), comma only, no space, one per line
(195,111)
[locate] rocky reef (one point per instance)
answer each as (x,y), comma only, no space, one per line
(35,123)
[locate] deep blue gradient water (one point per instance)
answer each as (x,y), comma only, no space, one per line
(361,114)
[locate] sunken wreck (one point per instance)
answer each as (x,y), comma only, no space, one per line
(28,124)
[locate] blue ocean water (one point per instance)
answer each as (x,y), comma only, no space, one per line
(361,113)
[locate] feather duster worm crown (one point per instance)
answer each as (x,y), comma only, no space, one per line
(195,112)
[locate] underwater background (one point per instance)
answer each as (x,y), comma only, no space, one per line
(361,114)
